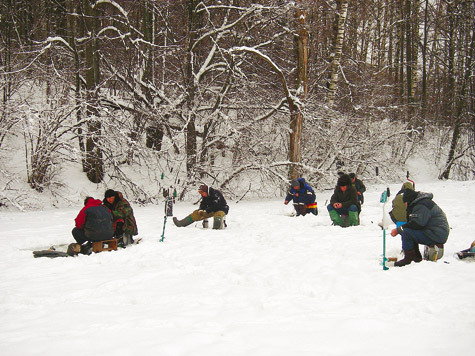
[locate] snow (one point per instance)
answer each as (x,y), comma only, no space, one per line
(269,284)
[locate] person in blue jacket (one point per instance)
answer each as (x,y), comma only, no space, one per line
(426,224)
(303,197)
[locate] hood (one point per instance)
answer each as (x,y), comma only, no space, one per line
(407,185)
(420,196)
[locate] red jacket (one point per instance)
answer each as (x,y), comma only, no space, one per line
(81,218)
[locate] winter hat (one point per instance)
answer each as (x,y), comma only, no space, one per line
(409,195)
(203,188)
(110,193)
(344,180)
(352,175)
(408,185)
(294,183)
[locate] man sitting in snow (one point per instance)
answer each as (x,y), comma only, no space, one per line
(212,204)
(426,224)
(93,223)
(344,201)
(125,225)
(303,197)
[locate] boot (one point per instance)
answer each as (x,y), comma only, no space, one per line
(353,218)
(409,256)
(86,249)
(184,222)
(440,254)
(417,254)
(217,223)
(433,252)
(336,218)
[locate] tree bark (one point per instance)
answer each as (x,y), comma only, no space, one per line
(296,115)
(340,18)
(93,161)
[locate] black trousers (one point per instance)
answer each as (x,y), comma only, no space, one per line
(79,235)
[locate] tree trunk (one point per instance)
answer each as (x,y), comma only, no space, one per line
(424,61)
(461,101)
(339,33)
(93,161)
(296,115)
(190,133)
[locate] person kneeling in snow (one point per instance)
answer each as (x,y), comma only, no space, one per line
(93,223)
(344,201)
(426,224)
(212,204)
(303,197)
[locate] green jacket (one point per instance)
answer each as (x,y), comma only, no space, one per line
(121,210)
(346,198)
(398,214)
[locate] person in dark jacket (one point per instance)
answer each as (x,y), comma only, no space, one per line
(344,201)
(303,197)
(360,187)
(125,226)
(398,213)
(426,224)
(93,223)
(212,204)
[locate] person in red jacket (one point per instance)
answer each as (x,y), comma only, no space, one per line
(93,223)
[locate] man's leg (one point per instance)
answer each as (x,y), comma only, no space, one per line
(411,237)
(353,215)
(334,215)
(218,222)
(79,235)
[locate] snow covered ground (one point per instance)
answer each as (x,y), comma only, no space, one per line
(270,284)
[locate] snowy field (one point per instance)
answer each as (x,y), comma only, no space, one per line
(270,284)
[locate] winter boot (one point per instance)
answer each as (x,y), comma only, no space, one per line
(335,218)
(86,249)
(353,218)
(433,252)
(218,223)
(417,254)
(184,222)
(409,256)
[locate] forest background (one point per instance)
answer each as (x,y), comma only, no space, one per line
(243,95)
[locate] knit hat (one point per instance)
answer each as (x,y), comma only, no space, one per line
(409,195)
(344,180)
(294,183)
(203,188)
(109,193)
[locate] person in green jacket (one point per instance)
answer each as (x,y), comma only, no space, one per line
(398,213)
(344,201)
(124,222)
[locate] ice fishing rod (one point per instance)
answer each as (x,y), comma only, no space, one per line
(384,198)
(169,194)
(410,180)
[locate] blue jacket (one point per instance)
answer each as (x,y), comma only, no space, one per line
(303,195)
(423,214)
